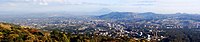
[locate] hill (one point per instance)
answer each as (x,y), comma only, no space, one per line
(147,16)
(116,15)
(16,33)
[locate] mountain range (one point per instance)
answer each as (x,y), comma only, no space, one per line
(148,16)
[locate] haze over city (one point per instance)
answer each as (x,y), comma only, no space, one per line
(92,6)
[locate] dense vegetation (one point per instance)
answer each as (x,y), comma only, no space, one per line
(182,35)
(15,33)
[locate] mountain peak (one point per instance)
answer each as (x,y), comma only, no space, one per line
(121,13)
(148,13)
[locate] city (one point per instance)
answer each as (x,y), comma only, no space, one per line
(107,25)
(99,21)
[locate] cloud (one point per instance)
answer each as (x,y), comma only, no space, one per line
(161,6)
(147,1)
(55,1)
(8,5)
(144,4)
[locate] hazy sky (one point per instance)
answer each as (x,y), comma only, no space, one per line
(158,6)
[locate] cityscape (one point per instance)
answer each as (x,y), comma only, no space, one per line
(99,21)
(149,26)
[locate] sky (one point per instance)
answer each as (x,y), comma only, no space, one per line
(157,6)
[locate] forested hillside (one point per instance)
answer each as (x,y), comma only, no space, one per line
(16,33)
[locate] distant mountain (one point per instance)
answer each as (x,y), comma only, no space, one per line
(103,11)
(129,15)
(148,16)
(117,15)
